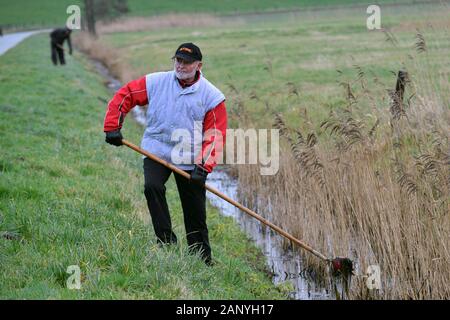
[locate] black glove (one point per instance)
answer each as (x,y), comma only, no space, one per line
(199,175)
(114,138)
(70,52)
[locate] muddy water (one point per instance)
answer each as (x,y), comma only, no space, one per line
(284,264)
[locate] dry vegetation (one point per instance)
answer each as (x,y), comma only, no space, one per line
(98,50)
(134,24)
(374,188)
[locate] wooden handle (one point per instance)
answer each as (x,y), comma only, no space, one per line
(226,198)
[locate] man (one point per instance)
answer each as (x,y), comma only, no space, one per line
(182,99)
(57,38)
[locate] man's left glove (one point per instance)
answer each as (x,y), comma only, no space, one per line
(70,52)
(114,138)
(199,175)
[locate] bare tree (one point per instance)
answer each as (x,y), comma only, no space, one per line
(103,10)
(90,16)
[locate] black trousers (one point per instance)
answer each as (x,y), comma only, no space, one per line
(57,52)
(193,202)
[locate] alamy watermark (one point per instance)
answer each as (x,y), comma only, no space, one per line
(373,22)
(73,22)
(74,280)
(373,274)
(251,146)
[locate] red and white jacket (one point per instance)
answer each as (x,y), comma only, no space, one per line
(137,92)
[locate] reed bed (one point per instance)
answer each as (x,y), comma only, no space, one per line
(372,187)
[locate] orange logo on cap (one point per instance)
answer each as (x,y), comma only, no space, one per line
(186,49)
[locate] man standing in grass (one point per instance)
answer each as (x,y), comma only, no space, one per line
(57,38)
(181,100)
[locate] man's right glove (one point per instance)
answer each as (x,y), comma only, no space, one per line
(114,138)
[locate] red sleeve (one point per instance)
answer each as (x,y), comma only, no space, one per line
(132,94)
(214,134)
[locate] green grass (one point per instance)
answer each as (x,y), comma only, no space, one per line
(259,57)
(71,199)
(42,13)
(50,13)
(143,7)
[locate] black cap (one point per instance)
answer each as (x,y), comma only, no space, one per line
(189,52)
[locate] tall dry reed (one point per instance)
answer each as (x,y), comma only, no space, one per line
(377,192)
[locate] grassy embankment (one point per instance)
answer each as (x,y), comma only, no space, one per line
(24,14)
(68,198)
(264,61)
(372,181)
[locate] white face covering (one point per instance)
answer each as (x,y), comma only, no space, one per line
(183,75)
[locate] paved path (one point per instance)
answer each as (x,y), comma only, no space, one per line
(10,40)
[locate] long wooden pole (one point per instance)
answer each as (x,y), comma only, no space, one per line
(228,199)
